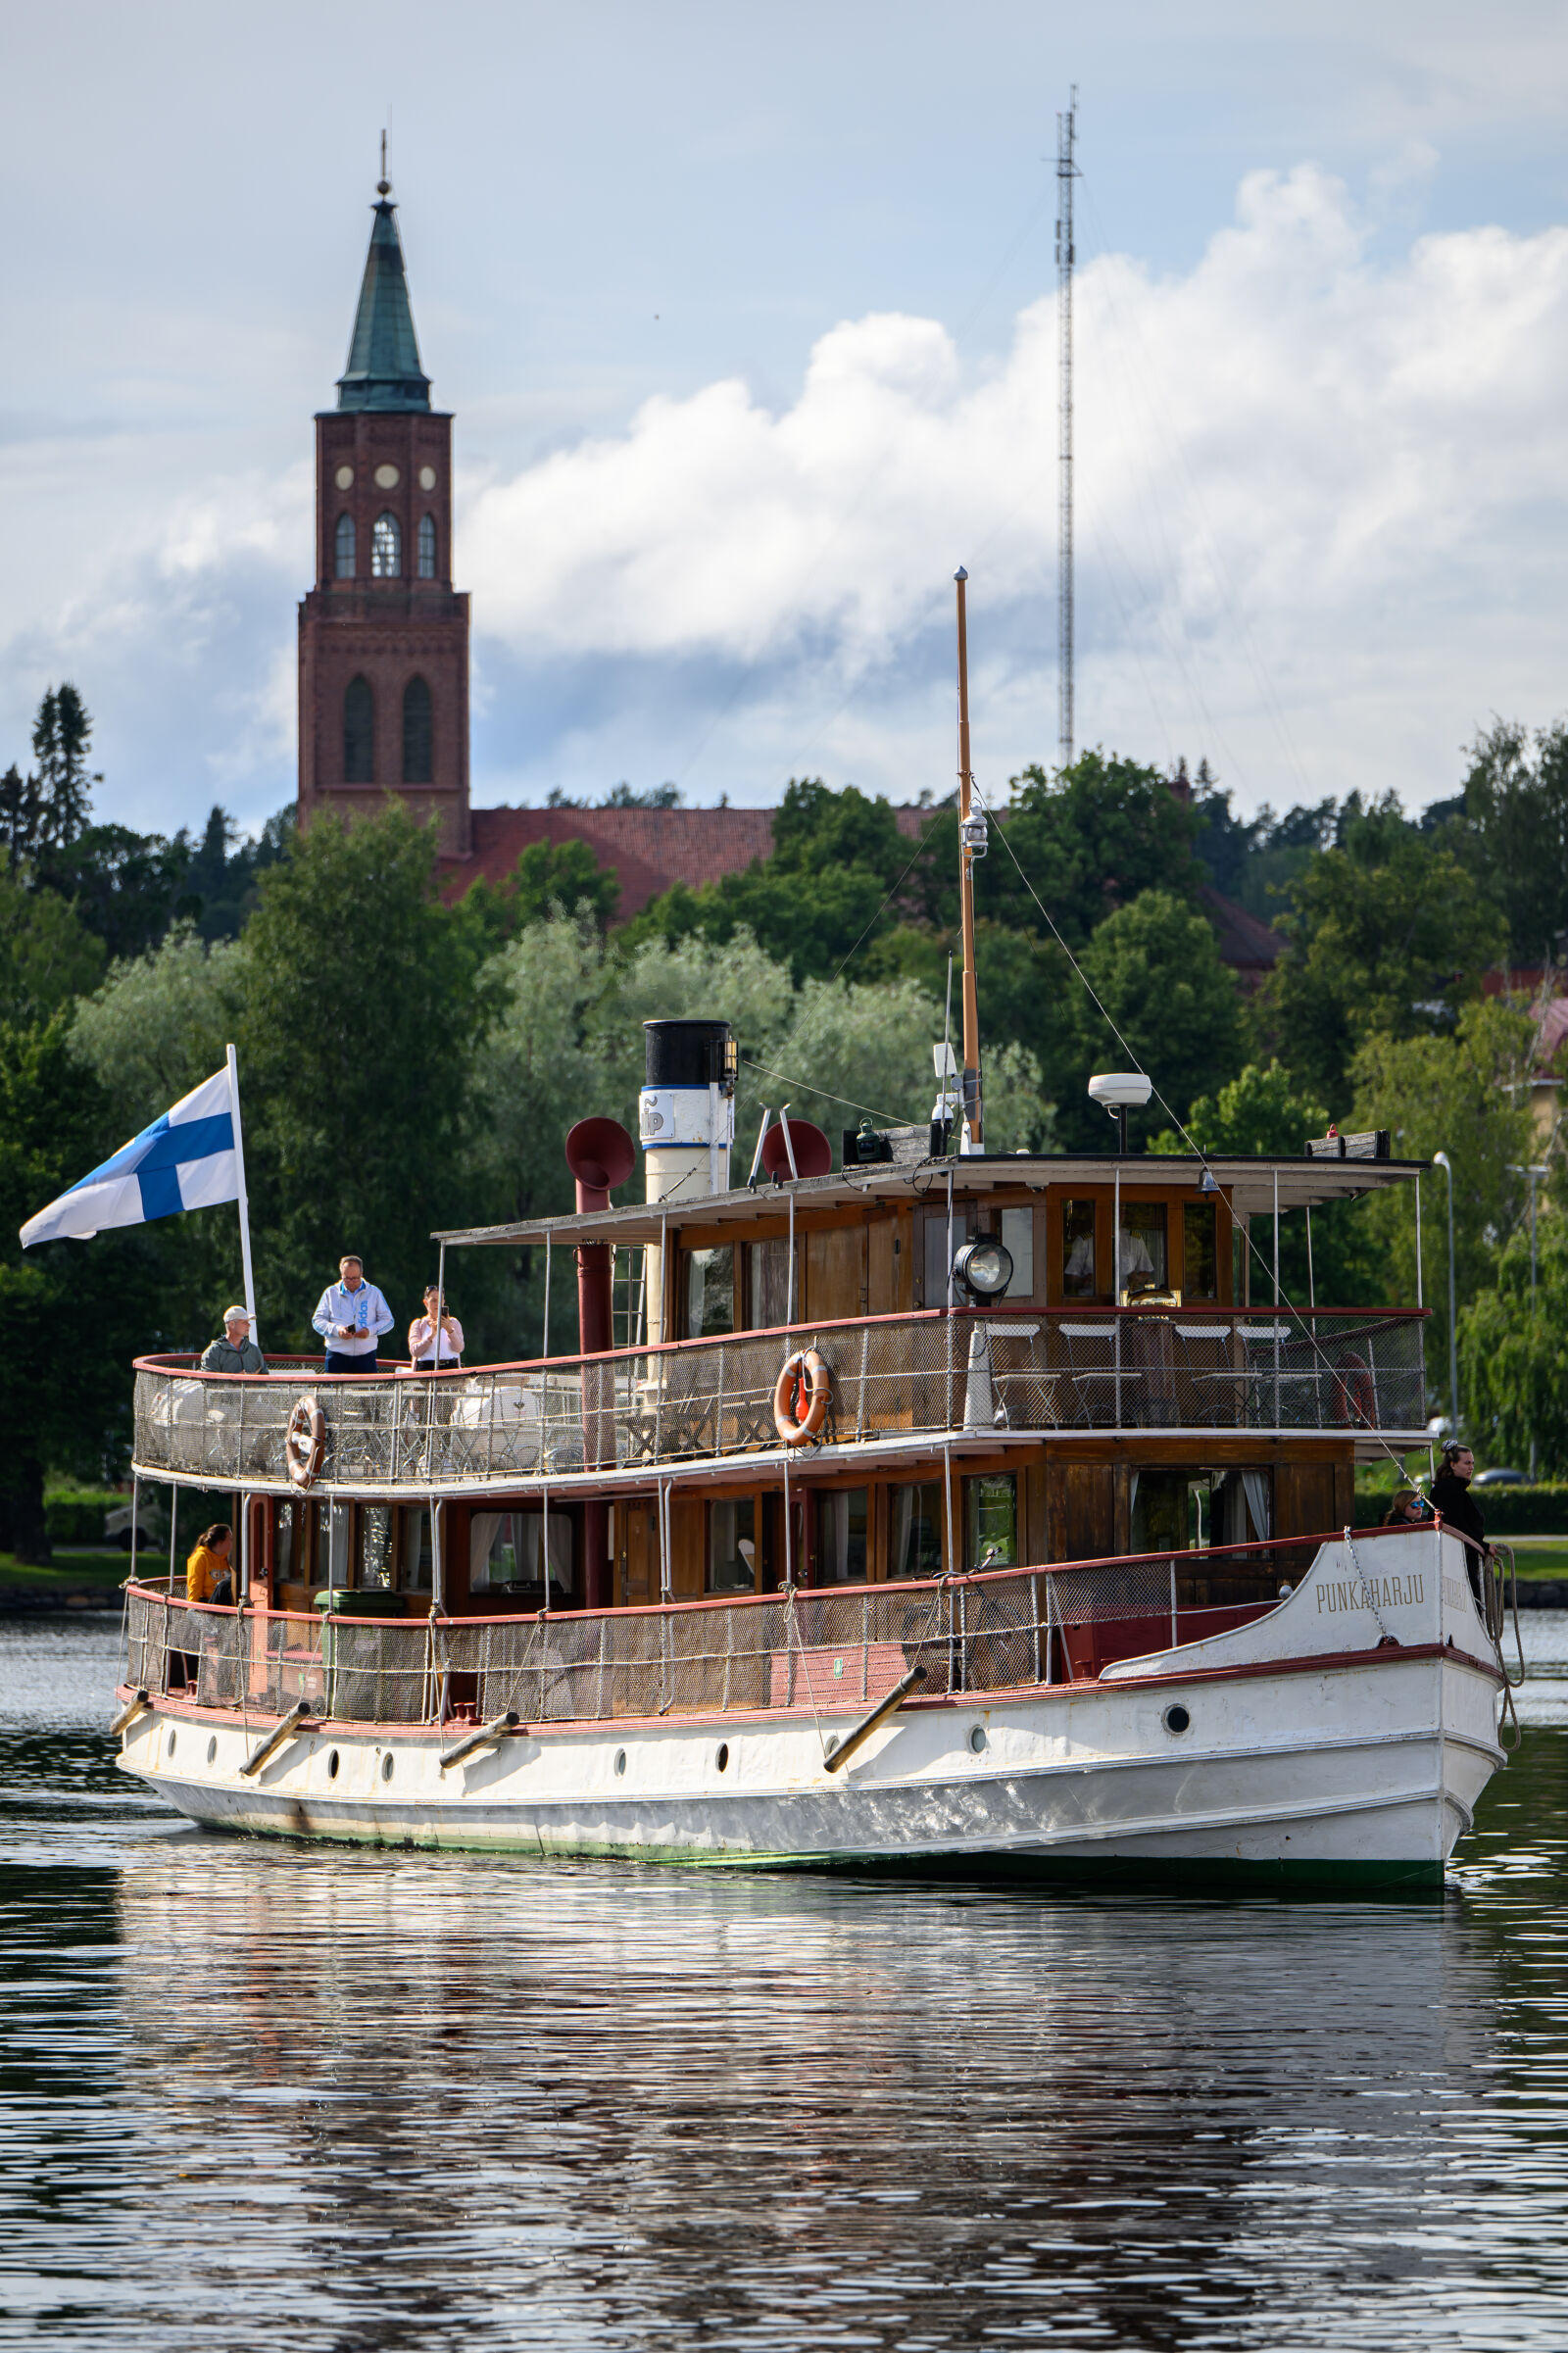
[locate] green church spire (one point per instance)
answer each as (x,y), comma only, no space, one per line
(383,369)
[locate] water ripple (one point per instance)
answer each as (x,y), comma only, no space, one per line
(263,2097)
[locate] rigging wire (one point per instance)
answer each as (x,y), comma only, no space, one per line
(811,1088)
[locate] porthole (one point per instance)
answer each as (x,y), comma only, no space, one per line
(621,1760)
(386,1766)
(211,1748)
(171,1743)
(977,1739)
(1176,1719)
(722,1758)
(332,1765)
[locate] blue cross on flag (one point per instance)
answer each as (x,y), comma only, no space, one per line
(185,1160)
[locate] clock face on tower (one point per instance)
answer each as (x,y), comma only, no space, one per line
(387,477)
(427,477)
(344,477)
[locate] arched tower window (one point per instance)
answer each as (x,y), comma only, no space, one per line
(386,548)
(417,732)
(428,547)
(359,732)
(343,551)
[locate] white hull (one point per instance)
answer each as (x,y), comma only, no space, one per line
(1307,1751)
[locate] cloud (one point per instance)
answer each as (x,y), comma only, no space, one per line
(1320,491)
(1300,471)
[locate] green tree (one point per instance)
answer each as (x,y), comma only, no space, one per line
(548,876)
(1514,833)
(1091,839)
(1154,967)
(1388,937)
(60,735)
(47,953)
(219,884)
(816,901)
(1462,1096)
(1513,1353)
(364,1000)
(72,1326)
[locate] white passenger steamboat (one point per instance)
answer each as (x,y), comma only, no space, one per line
(945,1510)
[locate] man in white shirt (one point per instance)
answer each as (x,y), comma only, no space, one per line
(351,1318)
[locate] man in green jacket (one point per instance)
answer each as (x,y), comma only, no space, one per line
(236,1352)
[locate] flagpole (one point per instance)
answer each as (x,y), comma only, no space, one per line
(244,1198)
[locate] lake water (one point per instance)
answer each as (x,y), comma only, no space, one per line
(256,2096)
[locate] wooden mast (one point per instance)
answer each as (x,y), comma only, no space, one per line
(972,1113)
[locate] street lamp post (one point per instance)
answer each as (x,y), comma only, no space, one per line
(1441,1160)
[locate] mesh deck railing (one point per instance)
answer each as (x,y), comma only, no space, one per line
(997,1631)
(927,1376)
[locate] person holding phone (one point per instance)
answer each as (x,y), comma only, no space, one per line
(351,1317)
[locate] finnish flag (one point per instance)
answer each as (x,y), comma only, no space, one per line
(188,1160)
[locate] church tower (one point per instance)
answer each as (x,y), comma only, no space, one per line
(383,634)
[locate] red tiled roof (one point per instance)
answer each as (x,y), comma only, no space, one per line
(1243,943)
(650,848)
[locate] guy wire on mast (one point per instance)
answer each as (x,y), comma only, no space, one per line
(1067,173)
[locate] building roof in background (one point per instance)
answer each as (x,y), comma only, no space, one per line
(1249,946)
(652,848)
(383,369)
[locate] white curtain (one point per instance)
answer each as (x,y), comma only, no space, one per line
(1254,1484)
(483,1528)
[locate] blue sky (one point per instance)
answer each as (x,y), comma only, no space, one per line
(747,318)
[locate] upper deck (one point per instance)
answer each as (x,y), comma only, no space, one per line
(902,1388)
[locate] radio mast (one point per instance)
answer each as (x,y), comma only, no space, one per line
(1067,173)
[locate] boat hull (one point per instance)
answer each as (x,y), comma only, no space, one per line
(1251,1755)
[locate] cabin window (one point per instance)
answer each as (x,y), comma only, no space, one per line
(386,548)
(732,1545)
(938,1258)
(768,1284)
(991,1520)
(1200,1252)
(710,1292)
(339,1545)
(1140,1248)
(843,1524)
(343,555)
(507,1551)
(284,1548)
(1078,1223)
(376,1546)
(414,1558)
(1018,1241)
(914,1530)
(1186,1511)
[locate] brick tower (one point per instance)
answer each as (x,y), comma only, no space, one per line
(383,634)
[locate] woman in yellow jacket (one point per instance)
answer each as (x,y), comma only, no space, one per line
(209,1572)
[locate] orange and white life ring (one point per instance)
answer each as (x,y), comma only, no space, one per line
(1357,1396)
(800,1396)
(305,1442)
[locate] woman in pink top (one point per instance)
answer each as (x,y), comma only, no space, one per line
(422,1351)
